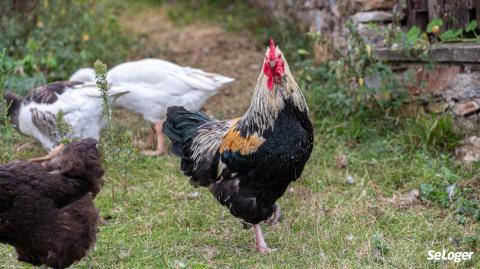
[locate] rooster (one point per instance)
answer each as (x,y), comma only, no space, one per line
(248,162)
(46,210)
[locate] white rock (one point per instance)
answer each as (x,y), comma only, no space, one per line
(372,16)
(349,180)
(193,195)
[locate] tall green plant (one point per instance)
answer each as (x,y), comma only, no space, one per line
(101,79)
(64,129)
(118,149)
(6,128)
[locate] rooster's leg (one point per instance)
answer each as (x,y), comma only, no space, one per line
(260,244)
(55,151)
(148,142)
(160,143)
(273,221)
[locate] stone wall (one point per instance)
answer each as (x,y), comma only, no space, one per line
(328,17)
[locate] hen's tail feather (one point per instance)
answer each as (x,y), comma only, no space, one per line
(180,127)
(75,232)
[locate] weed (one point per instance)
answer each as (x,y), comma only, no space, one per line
(379,244)
(64,129)
(101,80)
(6,127)
(118,147)
(432,132)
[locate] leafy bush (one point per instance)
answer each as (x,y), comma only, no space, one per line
(48,40)
(6,128)
(435,132)
(353,84)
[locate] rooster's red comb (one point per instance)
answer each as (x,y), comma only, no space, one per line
(272,49)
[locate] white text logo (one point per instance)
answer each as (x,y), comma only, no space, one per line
(449,256)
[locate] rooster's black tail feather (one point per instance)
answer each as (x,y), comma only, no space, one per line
(180,127)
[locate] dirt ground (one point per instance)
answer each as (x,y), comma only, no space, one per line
(205,46)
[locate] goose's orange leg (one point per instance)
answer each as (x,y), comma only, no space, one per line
(158,128)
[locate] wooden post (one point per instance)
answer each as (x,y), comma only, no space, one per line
(456,14)
(418,13)
(477,7)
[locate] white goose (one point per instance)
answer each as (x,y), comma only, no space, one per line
(35,114)
(154,85)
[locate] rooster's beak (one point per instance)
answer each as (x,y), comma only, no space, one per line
(272,64)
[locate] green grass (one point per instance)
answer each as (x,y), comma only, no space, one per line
(152,220)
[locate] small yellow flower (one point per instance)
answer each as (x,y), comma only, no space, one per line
(435,29)
(39,24)
(85,37)
(361,81)
(368,48)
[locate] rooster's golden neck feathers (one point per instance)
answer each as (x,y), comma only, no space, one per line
(275,86)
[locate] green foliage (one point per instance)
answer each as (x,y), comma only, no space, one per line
(412,36)
(48,40)
(6,127)
(379,244)
(451,34)
(434,22)
(463,207)
(472,26)
(101,80)
(64,129)
(117,147)
(434,193)
(434,133)
(454,34)
(4,118)
(352,84)
(411,41)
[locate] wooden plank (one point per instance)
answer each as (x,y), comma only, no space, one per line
(455,53)
(435,8)
(477,12)
(471,4)
(456,14)
(462,16)
(417,13)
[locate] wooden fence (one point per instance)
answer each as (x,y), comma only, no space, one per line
(454,13)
